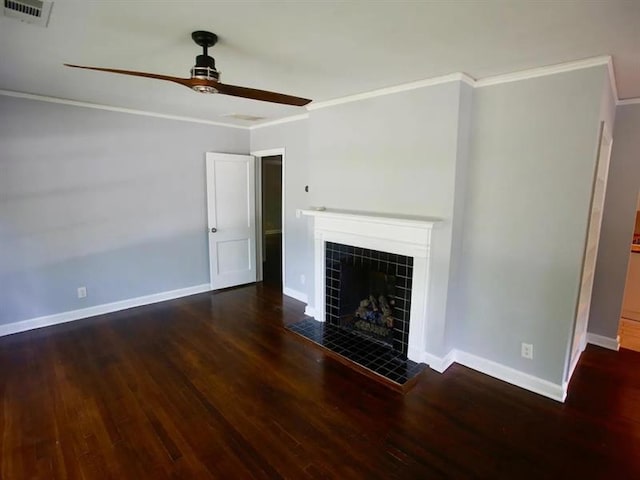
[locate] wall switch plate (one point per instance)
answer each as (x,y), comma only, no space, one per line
(302,279)
(82,292)
(527,350)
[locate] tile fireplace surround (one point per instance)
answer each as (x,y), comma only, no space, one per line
(409,236)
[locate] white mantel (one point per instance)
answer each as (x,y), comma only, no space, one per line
(404,235)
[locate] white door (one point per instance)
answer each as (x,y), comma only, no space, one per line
(591,248)
(231,218)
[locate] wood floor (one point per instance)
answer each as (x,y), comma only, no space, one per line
(629,332)
(212,386)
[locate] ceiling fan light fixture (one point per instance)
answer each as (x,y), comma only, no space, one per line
(204,89)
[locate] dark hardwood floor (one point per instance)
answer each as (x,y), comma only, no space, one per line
(212,386)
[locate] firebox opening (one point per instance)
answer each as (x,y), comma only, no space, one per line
(367,299)
(355,280)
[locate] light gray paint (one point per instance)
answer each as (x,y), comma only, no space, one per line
(529,186)
(454,300)
(293,137)
(106,200)
(617,223)
(387,154)
(607,119)
(395,154)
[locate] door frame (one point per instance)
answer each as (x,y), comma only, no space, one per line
(571,360)
(258,154)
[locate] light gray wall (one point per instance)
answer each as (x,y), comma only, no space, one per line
(293,137)
(395,154)
(533,150)
(454,300)
(392,153)
(617,223)
(111,201)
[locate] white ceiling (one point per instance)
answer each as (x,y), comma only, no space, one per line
(319,50)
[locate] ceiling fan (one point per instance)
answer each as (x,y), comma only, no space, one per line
(204,76)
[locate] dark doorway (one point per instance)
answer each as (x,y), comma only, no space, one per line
(272,220)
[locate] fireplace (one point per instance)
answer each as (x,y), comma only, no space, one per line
(368,292)
(371,276)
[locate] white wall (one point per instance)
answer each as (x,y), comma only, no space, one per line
(533,151)
(111,201)
(617,223)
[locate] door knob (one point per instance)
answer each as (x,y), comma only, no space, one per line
(214,229)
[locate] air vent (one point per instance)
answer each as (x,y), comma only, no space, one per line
(242,116)
(34,12)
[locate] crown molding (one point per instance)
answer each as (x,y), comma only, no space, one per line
(544,71)
(629,101)
(97,106)
(453,77)
(483,82)
(293,118)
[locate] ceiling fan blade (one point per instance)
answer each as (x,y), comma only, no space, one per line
(181,81)
(223,88)
(263,95)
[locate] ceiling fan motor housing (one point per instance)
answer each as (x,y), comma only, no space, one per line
(205,69)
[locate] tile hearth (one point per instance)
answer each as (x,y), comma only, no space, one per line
(366,353)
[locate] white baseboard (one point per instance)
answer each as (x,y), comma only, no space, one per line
(602,341)
(574,362)
(310,311)
(439,364)
(73,315)
(290,292)
(510,375)
(496,370)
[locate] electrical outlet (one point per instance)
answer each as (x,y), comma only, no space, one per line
(82,292)
(302,279)
(527,350)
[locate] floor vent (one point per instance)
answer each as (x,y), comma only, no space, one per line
(34,12)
